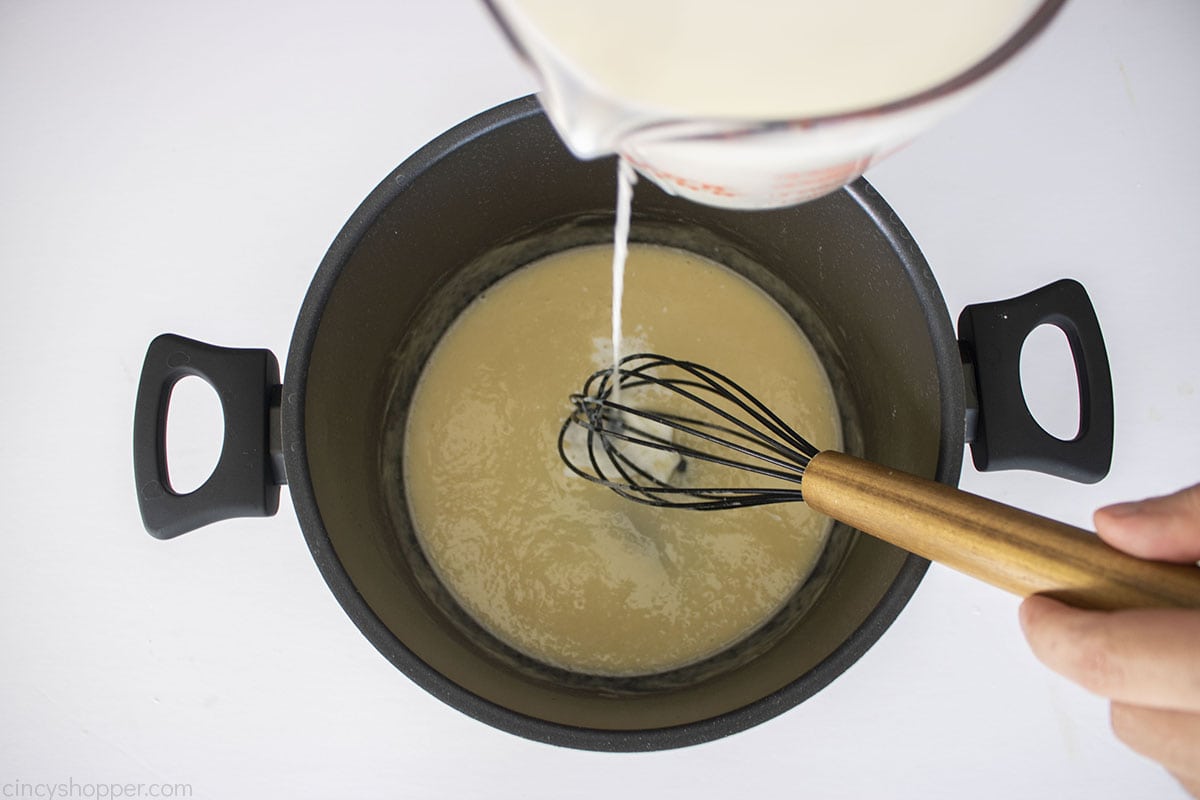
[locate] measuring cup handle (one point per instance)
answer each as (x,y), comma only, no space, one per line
(245,482)
(1007,436)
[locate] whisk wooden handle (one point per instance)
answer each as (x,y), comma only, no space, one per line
(1013,549)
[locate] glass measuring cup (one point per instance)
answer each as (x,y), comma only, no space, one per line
(740,161)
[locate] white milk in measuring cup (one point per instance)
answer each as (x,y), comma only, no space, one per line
(759,103)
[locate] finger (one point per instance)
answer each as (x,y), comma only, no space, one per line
(1148,657)
(1162,528)
(1172,738)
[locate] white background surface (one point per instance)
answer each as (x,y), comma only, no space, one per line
(183,167)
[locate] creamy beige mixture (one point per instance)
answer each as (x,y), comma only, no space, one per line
(564,570)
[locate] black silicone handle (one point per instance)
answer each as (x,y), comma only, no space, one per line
(1007,436)
(245,482)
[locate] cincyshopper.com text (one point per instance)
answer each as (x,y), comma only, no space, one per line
(92,790)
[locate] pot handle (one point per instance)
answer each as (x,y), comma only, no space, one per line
(1006,435)
(246,480)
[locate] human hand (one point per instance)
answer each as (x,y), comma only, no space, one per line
(1146,661)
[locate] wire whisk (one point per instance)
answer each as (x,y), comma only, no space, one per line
(681,435)
(731,429)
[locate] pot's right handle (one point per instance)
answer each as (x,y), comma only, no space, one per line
(245,482)
(1006,434)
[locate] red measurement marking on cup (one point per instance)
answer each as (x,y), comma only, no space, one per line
(838,173)
(715,189)
(795,187)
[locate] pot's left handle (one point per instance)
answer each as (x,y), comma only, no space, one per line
(246,479)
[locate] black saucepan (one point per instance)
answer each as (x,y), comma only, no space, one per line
(497,192)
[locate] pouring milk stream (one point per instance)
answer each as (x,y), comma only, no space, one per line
(761,103)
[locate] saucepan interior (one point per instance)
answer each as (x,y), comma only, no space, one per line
(502,191)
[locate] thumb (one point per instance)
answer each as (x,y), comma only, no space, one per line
(1161,528)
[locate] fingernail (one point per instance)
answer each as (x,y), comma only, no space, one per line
(1027,610)
(1124,509)
(1023,613)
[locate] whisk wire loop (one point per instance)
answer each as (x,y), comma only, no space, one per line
(714,382)
(605,421)
(746,436)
